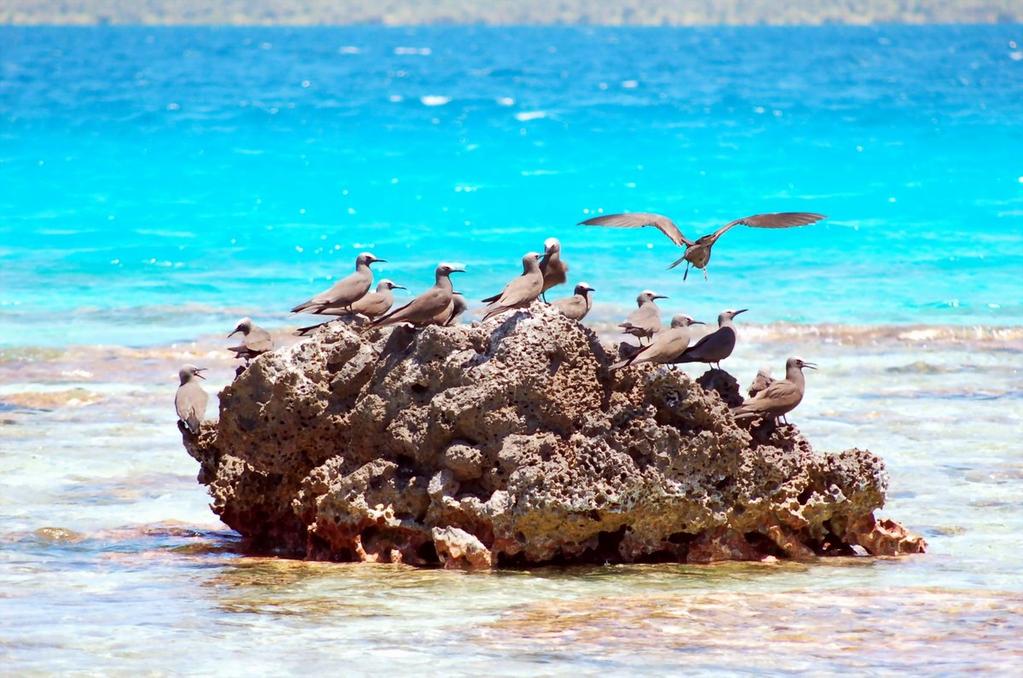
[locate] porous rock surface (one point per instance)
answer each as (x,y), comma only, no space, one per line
(512,443)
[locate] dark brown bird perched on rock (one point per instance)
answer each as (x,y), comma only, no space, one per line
(344,292)
(697,252)
(553,267)
(780,397)
(716,346)
(424,309)
(255,340)
(666,345)
(578,305)
(645,321)
(520,292)
(190,400)
(372,306)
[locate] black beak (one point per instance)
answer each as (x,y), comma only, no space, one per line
(810,365)
(379,261)
(698,322)
(741,310)
(199,372)
(236,331)
(659,296)
(398,287)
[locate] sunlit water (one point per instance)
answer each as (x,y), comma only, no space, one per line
(157,184)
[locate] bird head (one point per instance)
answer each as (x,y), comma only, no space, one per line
(444,269)
(683,320)
(729,314)
(244,326)
(551,246)
(530,261)
(583,289)
(799,363)
(186,373)
(367,258)
(386,284)
(647,296)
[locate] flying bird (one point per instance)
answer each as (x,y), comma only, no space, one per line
(697,252)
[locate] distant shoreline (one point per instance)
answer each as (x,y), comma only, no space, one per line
(404,13)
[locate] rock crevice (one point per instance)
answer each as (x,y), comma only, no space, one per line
(512,443)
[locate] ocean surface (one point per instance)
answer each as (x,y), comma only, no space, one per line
(158,183)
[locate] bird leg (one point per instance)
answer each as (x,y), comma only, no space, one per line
(686,274)
(543,296)
(705,275)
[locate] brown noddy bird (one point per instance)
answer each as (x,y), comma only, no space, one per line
(345,291)
(255,340)
(666,345)
(190,400)
(458,307)
(760,382)
(645,321)
(697,252)
(578,305)
(780,397)
(553,267)
(520,292)
(372,306)
(717,345)
(424,309)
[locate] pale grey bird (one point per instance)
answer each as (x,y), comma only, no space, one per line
(760,382)
(697,252)
(345,291)
(666,345)
(553,267)
(520,292)
(578,305)
(424,309)
(780,397)
(645,321)
(716,346)
(190,400)
(372,306)
(255,340)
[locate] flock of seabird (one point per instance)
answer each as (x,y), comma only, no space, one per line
(442,305)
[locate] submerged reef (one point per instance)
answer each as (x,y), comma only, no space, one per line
(512,443)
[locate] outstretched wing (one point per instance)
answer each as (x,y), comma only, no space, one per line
(640,219)
(770,220)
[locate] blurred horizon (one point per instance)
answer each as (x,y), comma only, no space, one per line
(507,12)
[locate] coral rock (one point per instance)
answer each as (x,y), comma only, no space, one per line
(513,443)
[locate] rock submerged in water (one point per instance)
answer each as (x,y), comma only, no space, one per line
(513,444)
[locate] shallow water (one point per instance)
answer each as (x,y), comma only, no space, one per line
(108,548)
(156,184)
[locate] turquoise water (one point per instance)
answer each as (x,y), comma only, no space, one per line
(153,177)
(156,184)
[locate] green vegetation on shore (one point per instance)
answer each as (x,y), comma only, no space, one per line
(604,12)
